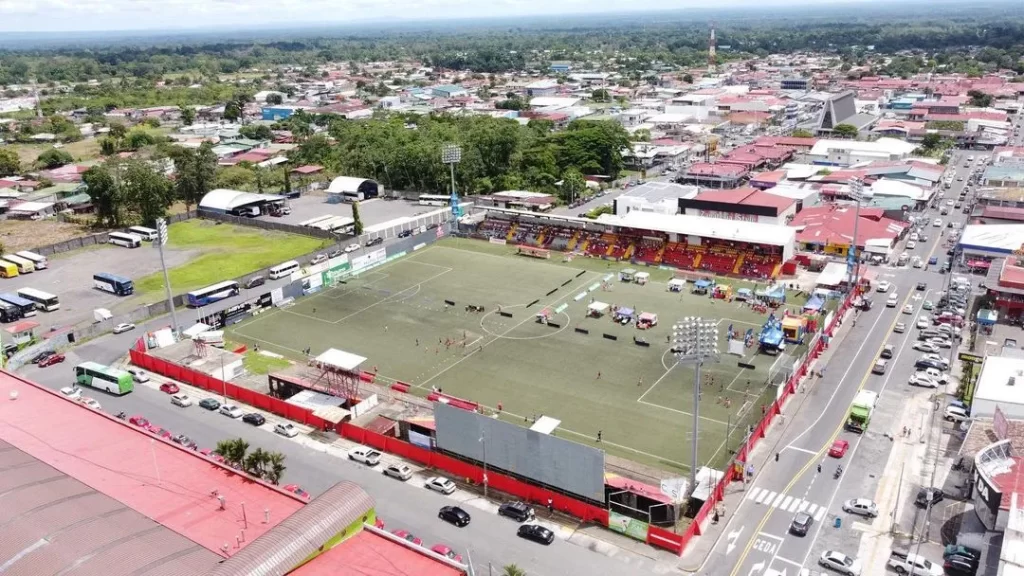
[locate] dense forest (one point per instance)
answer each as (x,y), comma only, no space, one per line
(993,35)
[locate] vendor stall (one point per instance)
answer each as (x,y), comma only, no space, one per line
(623,315)
(702,286)
(642,278)
(647,320)
(744,294)
(543,316)
(814,304)
(597,309)
(627,275)
(793,328)
(722,292)
(986,320)
(676,285)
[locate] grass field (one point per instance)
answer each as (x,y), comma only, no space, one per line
(227,252)
(395,316)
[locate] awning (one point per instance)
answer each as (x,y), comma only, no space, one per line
(598,307)
(702,283)
(677,282)
(626,312)
(648,317)
(545,425)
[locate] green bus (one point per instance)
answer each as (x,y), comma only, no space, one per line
(104,378)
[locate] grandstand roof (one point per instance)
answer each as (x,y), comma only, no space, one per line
(996,238)
(224,199)
(115,495)
(717,228)
(370,554)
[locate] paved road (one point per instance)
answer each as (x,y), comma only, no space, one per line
(757,536)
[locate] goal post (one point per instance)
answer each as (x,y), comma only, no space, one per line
(533,252)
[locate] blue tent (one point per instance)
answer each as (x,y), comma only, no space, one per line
(703,283)
(814,304)
(771,338)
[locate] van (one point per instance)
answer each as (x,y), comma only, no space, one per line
(880,366)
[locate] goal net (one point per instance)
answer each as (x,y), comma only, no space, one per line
(534,252)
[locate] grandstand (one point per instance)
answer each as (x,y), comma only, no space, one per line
(713,245)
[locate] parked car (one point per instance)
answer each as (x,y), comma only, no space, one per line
(72,392)
(335,253)
(183,440)
(139,421)
(231,411)
(537,533)
(964,551)
(374,241)
(209,404)
(318,259)
(923,380)
(89,402)
(925,347)
(518,511)
(42,356)
(365,455)
(169,388)
(138,374)
(161,432)
(906,563)
(955,414)
(124,327)
(298,491)
(405,233)
(351,247)
(861,507)
(408,537)
(440,484)
(255,281)
(959,566)
(922,286)
(398,471)
(181,400)
(254,418)
(287,429)
(51,360)
(446,551)
(839,562)
(454,515)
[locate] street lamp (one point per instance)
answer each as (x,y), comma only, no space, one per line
(853,259)
(451,155)
(695,342)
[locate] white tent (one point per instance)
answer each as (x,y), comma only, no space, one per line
(676,285)
(597,309)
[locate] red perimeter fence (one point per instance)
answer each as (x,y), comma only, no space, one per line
(658,537)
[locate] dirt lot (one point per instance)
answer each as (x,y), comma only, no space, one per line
(28,234)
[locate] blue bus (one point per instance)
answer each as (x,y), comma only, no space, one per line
(113,283)
(27,307)
(211,294)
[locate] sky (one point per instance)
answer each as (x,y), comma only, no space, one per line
(168,15)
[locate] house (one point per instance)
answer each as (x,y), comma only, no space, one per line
(541,88)
(31,210)
(449,91)
(842,109)
(561,67)
(714,175)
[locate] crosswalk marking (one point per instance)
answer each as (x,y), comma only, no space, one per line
(775,503)
(753,493)
(820,514)
(803,505)
(785,503)
(765,494)
(812,509)
(792,507)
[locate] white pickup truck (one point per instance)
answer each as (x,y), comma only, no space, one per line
(904,562)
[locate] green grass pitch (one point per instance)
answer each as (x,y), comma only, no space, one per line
(396,317)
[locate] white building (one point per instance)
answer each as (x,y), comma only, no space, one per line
(1001,383)
(847,152)
(654,197)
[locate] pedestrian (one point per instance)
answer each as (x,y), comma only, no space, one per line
(417,342)
(385,328)
(598,374)
(314,310)
(598,435)
(640,382)
(776,456)
(714,519)
(551,506)
(499,406)
(819,468)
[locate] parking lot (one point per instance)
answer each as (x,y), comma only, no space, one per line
(69,277)
(371,212)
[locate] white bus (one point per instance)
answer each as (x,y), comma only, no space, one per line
(39,261)
(43,300)
(126,240)
(434,200)
(313,221)
(283,269)
(147,234)
(24,266)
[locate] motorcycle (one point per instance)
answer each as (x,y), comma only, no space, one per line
(839,472)
(122,416)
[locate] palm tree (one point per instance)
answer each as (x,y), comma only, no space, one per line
(513,570)
(274,467)
(233,451)
(255,462)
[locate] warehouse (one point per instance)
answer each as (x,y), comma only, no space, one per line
(238,203)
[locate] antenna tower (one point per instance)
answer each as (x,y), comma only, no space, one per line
(711,49)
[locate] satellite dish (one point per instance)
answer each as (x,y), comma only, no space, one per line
(14,394)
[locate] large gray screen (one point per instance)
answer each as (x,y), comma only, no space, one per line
(546,459)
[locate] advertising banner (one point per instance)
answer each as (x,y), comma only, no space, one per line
(312,284)
(629,526)
(336,273)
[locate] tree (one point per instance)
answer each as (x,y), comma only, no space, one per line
(232,111)
(979,98)
(54,158)
(931,141)
(274,468)
(188,115)
(117,130)
(10,165)
(688,78)
(513,570)
(801,133)
(642,135)
(287,182)
(257,132)
(196,172)
(573,185)
(105,193)
(600,95)
(232,451)
(109,145)
(845,131)
(148,192)
(357,225)
(274,99)
(234,177)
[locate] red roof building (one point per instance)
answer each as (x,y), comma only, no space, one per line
(830,228)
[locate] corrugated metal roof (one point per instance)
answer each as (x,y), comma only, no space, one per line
(301,534)
(51,523)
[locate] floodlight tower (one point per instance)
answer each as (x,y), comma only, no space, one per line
(853,258)
(451,155)
(695,342)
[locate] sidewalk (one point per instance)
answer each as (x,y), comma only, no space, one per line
(697,553)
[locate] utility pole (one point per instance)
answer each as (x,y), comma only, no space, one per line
(483,444)
(853,258)
(161,231)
